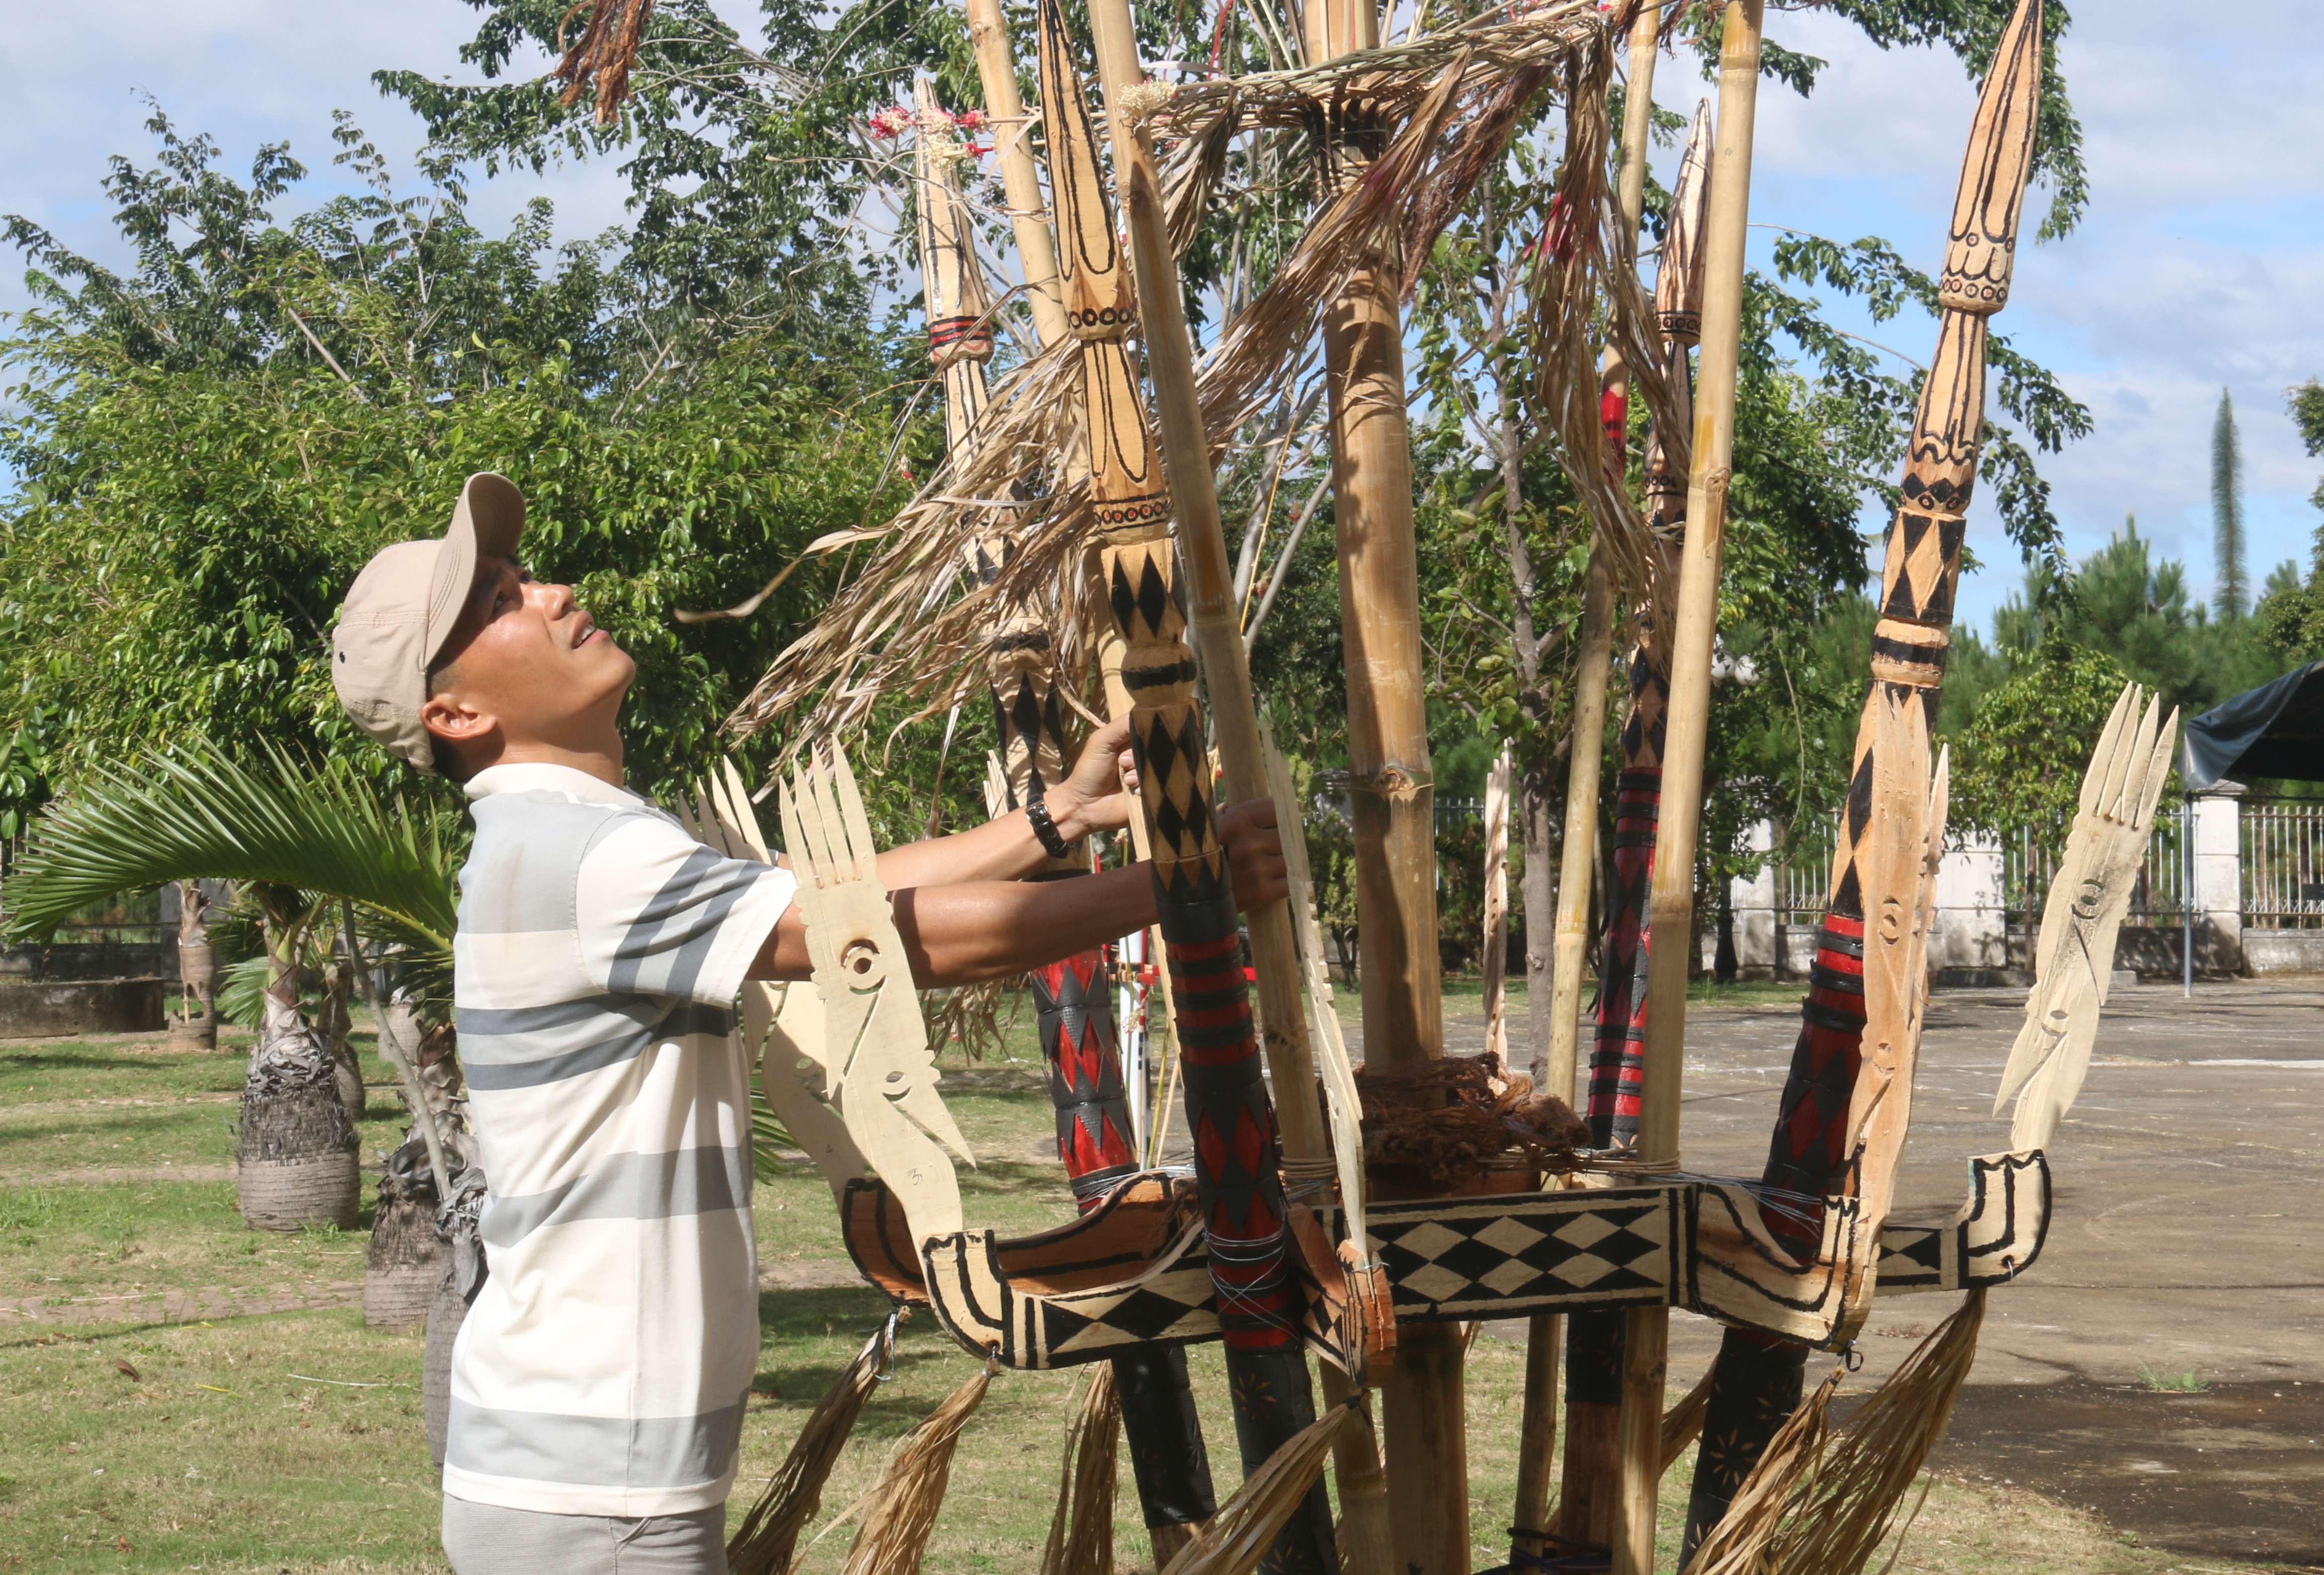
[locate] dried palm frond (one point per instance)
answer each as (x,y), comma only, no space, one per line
(1080,1532)
(1827,1504)
(1240,1534)
(903,1508)
(764,1543)
(909,625)
(1586,241)
(603,54)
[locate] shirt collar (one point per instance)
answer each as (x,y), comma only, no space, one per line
(541,776)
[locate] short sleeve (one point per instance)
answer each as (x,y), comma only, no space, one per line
(660,914)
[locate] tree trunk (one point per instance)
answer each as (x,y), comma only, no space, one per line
(297,1163)
(446,1312)
(406,1260)
(195,1025)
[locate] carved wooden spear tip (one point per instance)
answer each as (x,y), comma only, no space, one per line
(1678,286)
(1097,287)
(1983,244)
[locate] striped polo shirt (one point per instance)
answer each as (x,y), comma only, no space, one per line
(604,1365)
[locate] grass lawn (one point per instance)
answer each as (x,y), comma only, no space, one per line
(293,1441)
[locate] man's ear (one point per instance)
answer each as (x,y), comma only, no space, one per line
(450,715)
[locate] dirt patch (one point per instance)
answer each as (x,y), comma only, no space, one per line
(210,1302)
(119,1177)
(2236,1471)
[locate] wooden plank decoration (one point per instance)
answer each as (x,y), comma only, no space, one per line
(1237,1148)
(1671,904)
(1759,1382)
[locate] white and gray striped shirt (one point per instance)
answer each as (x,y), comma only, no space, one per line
(604,1367)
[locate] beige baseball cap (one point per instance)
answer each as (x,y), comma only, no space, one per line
(402,610)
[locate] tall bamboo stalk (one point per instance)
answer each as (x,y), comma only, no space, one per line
(1012,144)
(1392,778)
(1758,1382)
(1646,1336)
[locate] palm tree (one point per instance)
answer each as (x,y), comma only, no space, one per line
(306,840)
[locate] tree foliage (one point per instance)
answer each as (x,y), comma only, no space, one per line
(209,447)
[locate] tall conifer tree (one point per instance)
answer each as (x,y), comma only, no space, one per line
(2227,511)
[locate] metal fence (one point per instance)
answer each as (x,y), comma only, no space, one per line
(2283,863)
(2029,862)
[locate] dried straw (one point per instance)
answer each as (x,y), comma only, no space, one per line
(1825,1504)
(1240,1534)
(764,1543)
(1080,1532)
(903,1507)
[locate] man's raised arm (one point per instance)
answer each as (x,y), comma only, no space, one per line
(970,931)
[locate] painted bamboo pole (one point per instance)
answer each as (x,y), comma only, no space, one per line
(1758,1382)
(1646,1334)
(1593,1341)
(1392,779)
(1237,1149)
(1021,182)
(1073,1010)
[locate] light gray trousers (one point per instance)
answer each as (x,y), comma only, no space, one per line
(484,1539)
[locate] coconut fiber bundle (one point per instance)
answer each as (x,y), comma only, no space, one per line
(1436,1126)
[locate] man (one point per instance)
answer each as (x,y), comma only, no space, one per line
(598,1384)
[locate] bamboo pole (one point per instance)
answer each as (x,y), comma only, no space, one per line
(1646,1334)
(996,69)
(1493,965)
(1393,782)
(1589,1462)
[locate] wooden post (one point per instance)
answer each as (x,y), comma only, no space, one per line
(996,69)
(1647,1333)
(1493,963)
(1758,1380)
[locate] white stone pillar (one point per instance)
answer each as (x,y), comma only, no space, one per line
(2220,879)
(1754,911)
(1969,928)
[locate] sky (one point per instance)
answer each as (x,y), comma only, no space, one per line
(2195,269)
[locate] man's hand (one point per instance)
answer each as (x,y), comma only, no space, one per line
(1254,854)
(1090,799)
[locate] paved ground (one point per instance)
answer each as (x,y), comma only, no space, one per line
(2184,1241)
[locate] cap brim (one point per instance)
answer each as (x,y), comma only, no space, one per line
(486,523)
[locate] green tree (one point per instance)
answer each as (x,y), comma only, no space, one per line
(2228,555)
(2019,762)
(2291,618)
(210,446)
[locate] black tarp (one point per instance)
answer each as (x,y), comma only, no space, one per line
(2276,729)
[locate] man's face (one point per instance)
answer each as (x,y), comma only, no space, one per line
(525,663)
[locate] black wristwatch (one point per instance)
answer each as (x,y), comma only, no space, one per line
(1046,830)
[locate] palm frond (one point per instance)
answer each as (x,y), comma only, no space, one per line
(196,814)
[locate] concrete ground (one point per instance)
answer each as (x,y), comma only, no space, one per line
(2185,1250)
